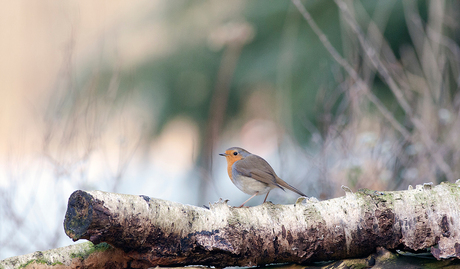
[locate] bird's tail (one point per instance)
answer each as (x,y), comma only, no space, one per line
(283,184)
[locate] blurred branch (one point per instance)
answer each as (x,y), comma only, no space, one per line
(376,25)
(383,71)
(373,55)
(349,69)
(378,64)
(429,53)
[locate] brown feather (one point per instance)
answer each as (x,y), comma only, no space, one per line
(257,168)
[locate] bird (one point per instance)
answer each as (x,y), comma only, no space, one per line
(252,174)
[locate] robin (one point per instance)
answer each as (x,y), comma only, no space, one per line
(252,174)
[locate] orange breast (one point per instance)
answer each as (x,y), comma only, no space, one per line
(229,171)
(231,159)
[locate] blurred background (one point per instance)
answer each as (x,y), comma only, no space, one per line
(140,97)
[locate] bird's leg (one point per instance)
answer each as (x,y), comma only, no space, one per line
(266,196)
(249,199)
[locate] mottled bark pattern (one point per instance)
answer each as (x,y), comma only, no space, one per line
(156,232)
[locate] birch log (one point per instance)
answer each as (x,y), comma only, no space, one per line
(155,232)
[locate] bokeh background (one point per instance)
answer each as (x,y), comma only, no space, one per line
(140,97)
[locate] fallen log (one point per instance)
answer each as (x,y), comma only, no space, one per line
(155,232)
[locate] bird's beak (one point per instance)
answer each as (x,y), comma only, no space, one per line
(223,154)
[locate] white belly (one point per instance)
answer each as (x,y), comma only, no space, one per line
(251,186)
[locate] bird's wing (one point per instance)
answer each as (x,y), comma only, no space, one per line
(256,167)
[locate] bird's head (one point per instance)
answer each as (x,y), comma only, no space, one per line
(235,154)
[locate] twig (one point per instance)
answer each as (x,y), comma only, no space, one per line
(339,59)
(384,72)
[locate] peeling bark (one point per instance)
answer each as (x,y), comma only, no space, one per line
(155,232)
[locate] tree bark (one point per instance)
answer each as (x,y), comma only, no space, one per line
(155,232)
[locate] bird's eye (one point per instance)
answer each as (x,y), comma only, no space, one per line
(235,153)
